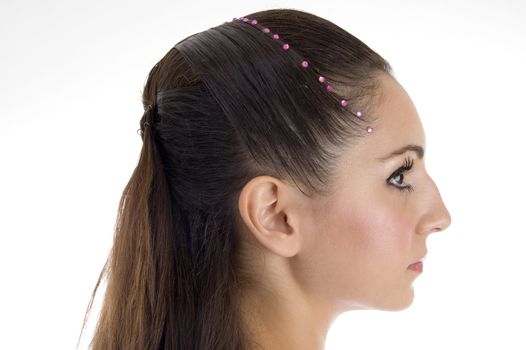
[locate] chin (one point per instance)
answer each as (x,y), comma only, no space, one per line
(398,302)
(390,302)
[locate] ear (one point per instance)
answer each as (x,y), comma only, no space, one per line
(265,208)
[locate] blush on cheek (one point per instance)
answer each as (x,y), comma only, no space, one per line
(356,252)
(380,242)
(382,234)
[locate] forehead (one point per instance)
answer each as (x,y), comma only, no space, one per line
(397,122)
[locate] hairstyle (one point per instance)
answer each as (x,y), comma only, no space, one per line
(228,105)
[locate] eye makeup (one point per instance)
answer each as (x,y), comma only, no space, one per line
(397,178)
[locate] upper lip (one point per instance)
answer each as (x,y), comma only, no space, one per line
(421,259)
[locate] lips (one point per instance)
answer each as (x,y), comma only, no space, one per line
(417,266)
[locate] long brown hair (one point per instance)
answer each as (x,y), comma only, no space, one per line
(228,104)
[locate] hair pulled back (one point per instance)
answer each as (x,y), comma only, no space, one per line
(221,107)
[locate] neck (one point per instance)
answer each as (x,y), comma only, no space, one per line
(286,320)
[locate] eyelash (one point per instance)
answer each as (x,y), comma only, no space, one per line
(408,164)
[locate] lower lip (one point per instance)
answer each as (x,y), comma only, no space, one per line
(417,267)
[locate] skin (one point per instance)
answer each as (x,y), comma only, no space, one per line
(349,250)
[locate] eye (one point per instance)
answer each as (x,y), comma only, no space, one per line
(397,178)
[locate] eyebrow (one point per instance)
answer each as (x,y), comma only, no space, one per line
(419,150)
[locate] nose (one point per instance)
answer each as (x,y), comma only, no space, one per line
(436,218)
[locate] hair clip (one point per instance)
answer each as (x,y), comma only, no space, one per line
(304,63)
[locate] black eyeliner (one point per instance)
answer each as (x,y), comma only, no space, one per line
(408,164)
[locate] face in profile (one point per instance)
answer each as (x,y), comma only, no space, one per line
(361,239)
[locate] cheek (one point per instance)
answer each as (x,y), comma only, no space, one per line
(365,249)
(382,231)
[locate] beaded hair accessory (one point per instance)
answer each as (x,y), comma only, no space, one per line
(304,63)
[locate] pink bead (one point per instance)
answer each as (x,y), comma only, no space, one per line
(254,21)
(358,114)
(344,103)
(369,129)
(245,19)
(304,64)
(285,46)
(266,30)
(329,88)
(275,37)
(321,79)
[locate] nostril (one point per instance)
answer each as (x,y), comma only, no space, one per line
(433,230)
(438,229)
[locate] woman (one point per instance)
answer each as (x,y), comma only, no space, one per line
(281,183)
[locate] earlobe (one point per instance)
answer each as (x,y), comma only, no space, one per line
(263,209)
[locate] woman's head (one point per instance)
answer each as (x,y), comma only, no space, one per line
(256,184)
(351,249)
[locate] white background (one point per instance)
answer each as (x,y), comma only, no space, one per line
(71,78)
